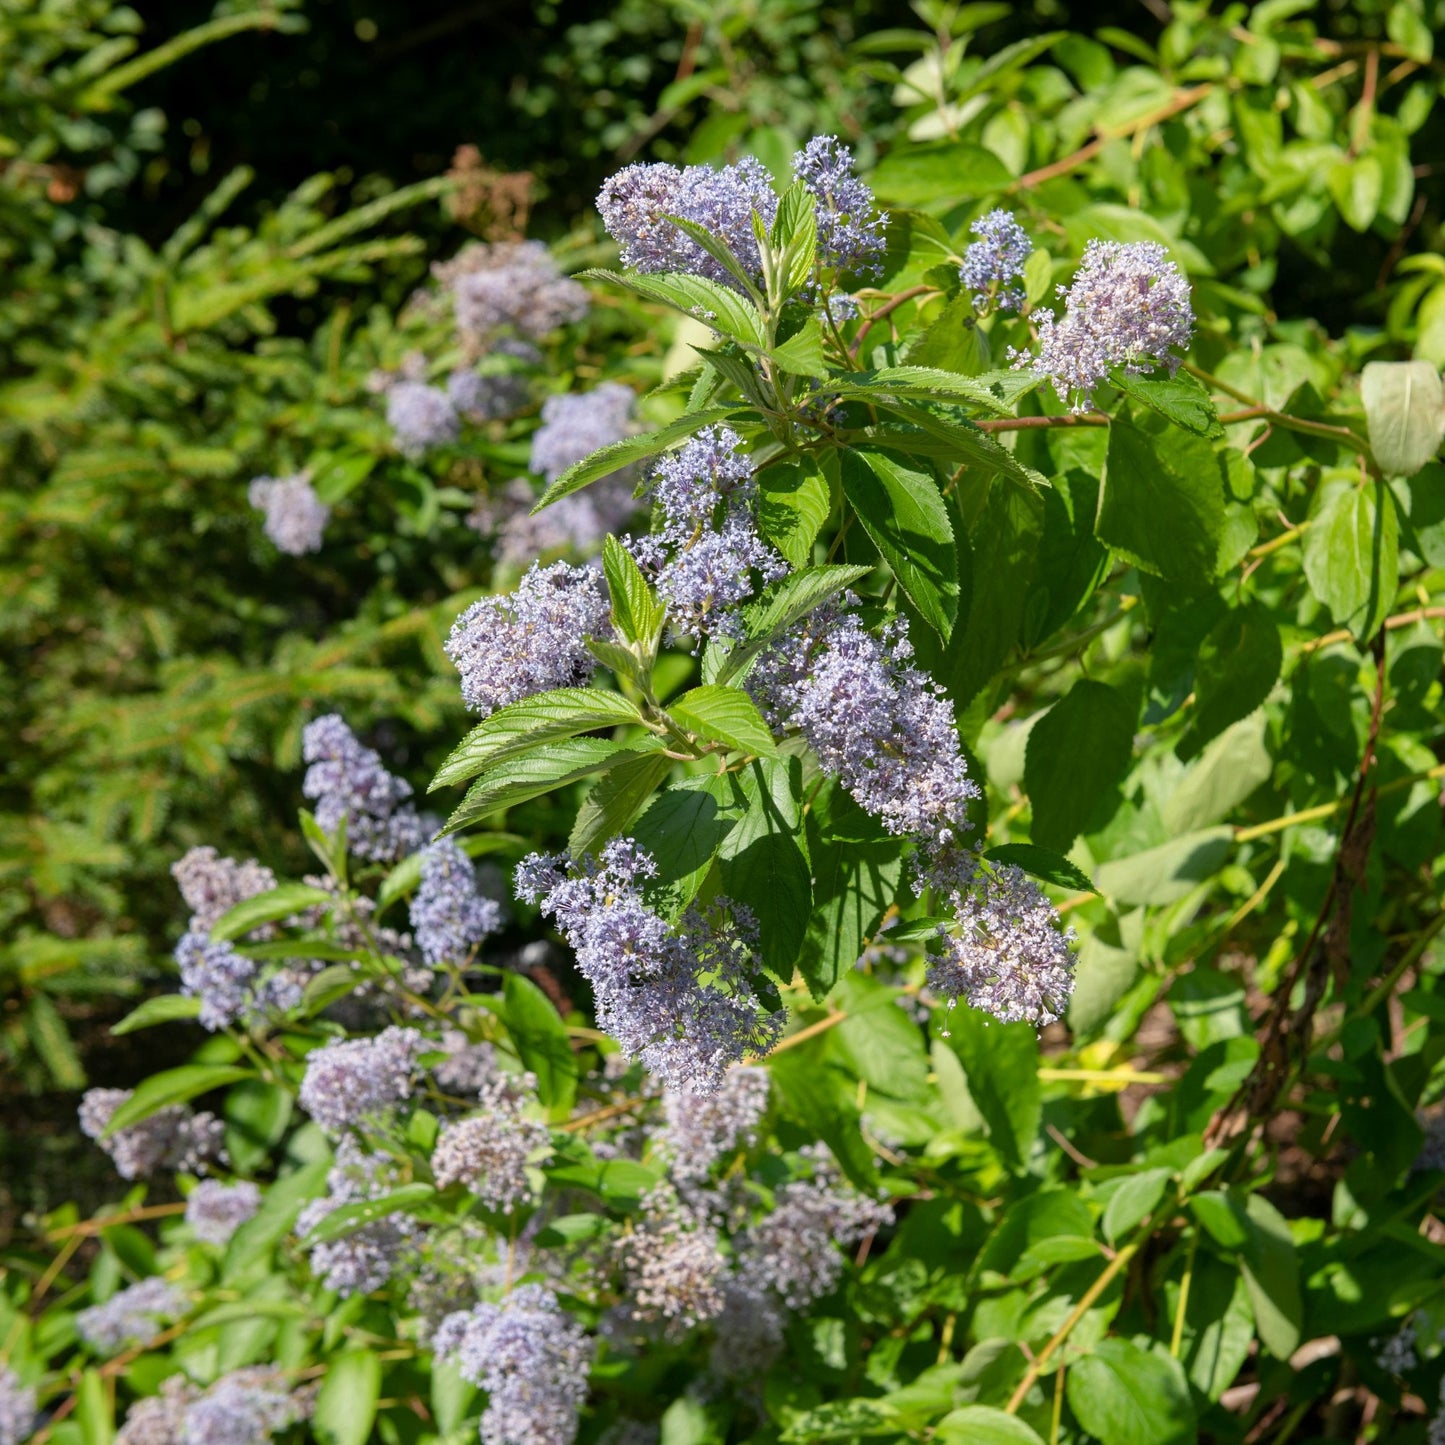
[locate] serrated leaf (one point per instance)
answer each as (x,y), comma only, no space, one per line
(723,309)
(713,244)
(164,1008)
(794,500)
(616,455)
(172,1086)
(907,518)
(517,780)
(1178,398)
(1405,410)
(924,383)
(1042,863)
(268,907)
(617,797)
(726,715)
(636,612)
(802,353)
(954,441)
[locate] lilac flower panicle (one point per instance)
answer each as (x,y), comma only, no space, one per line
(219,976)
(134,1316)
(346,779)
(489,1152)
(171,1138)
(509,284)
(420,417)
(449,916)
(212,885)
(994,264)
(530,1357)
(296,517)
(1128,306)
(702,1129)
(245,1407)
(850,233)
(485,398)
(17,1408)
(1004,953)
(364,1259)
(350,1081)
(576,424)
(883,728)
(530,640)
(468,1067)
(1396,1354)
(159,1419)
(215,1211)
(674,1264)
(680,1000)
(689,483)
(635,203)
(577,523)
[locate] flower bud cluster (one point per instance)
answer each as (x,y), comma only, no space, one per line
(993,265)
(171,1138)
(678,999)
(215,1211)
(531,640)
(530,1357)
(347,780)
(134,1316)
(296,517)
(449,914)
(489,1152)
(350,1082)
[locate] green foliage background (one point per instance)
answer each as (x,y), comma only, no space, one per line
(1216,686)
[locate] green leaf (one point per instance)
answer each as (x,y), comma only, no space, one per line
(452,1396)
(94,1409)
(1123,1395)
(616,455)
(794,500)
(1042,863)
(636,612)
(1271,1271)
(172,1086)
(906,516)
(762,862)
(516,780)
(346,1403)
(722,308)
(257,1114)
(1178,398)
(710,242)
(164,1008)
(49,1037)
(1133,1201)
(521,726)
(268,907)
(1351,554)
(1071,563)
(1228,771)
(953,440)
(341,475)
(683,828)
(802,353)
(1169,872)
(1164,502)
(1001,1062)
(983,1425)
(1357,185)
(1239,662)
(1405,410)
(823,1101)
(954,343)
(616,798)
(541,1040)
(406,1199)
(925,383)
(725,715)
(1077,753)
(945,171)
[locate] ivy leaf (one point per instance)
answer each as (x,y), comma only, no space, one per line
(1239,662)
(1405,411)
(1042,863)
(1123,1395)
(1351,554)
(541,1040)
(726,715)
(267,907)
(1164,501)
(521,726)
(1076,753)
(906,516)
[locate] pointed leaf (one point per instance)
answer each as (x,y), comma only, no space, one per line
(268,907)
(726,715)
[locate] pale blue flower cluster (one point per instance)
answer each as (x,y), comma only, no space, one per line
(17,1408)
(421,417)
(449,914)
(575,424)
(245,1407)
(994,264)
(347,780)
(215,1211)
(679,999)
(296,517)
(354,1080)
(133,1316)
(171,1138)
(509,286)
(490,1151)
(850,233)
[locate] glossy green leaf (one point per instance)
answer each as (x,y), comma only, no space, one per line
(794,501)
(1041,863)
(172,1086)
(1077,753)
(346,1403)
(724,715)
(1125,1395)
(275,903)
(541,1040)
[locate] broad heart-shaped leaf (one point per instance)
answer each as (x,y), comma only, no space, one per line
(540,771)
(1076,753)
(636,612)
(164,1008)
(406,1199)
(923,383)
(857,867)
(280,902)
(1351,554)
(723,309)
(172,1086)
(1239,662)
(724,715)
(1405,410)
(616,798)
(616,455)
(541,1040)
(1124,1395)
(905,515)
(1001,1063)
(762,859)
(520,726)
(346,1403)
(1163,505)
(1042,863)
(1179,398)
(794,500)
